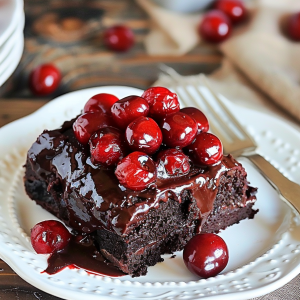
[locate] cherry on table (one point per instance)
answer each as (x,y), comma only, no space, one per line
(143,134)
(293,26)
(234,9)
(215,27)
(206,255)
(106,146)
(162,102)
(44,79)
(136,171)
(128,109)
(100,102)
(206,149)
(88,123)
(198,116)
(173,161)
(119,38)
(178,130)
(49,236)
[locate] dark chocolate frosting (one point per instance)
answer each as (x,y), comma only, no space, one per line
(93,195)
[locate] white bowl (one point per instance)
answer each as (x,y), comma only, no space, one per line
(185,6)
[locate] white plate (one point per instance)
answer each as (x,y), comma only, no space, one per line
(10,13)
(11,62)
(14,39)
(264,252)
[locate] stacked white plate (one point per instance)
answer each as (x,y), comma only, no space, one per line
(12,20)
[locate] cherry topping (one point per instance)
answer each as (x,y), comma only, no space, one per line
(198,116)
(106,146)
(174,162)
(206,149)
(119,38)
(178,130)
(215,26)
(234,9)
(162,102)
(128,109)
(49,236)
(144,134)
(293,26)
(136,171)
(88,123)
(206,255)
(44,79)
(101,102)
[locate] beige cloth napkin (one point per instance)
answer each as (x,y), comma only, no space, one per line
(258,51)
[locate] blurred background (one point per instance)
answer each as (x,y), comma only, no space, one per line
(69,34)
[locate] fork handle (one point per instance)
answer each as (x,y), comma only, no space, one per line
(288,190)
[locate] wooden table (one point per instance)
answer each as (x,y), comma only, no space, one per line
(69,34)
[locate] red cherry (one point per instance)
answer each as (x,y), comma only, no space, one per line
(128,109)
(49,236)
(44,79)
(106,146)
(144,134)
(206,149)
(173,162)
(234,9)
(101,102)
(178,130)
(136,171)
(198,116)
(206,255)
(118,38)
(88,123)
(215,26)
(293,26)
(162,102)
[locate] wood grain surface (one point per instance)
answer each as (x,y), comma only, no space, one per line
(68,33)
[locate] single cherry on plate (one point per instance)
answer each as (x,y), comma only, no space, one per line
(136,171)
(178,130)
(293,26)
(206,149)
(162,102)
(206,255)
(234,9)
(49,236)
(215,27)
(88,123)
(119,38)
(128,109)
(100,102)
(198,116)
(143,134)
(44,79)
(106,146)
(173,162)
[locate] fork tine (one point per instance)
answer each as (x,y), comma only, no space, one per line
(228,134)
(231,134)
(213,127)
(228,112)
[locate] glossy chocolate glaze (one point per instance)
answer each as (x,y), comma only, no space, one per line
(92,194)
(81,253)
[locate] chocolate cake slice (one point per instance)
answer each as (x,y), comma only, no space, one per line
(132,229)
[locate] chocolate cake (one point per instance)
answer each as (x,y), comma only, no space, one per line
(133,228)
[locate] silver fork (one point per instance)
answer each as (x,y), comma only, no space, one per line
(235,139)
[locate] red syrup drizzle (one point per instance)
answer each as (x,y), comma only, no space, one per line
(81,253)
